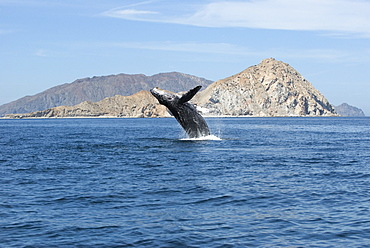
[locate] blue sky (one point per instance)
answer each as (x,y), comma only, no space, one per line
(44,43)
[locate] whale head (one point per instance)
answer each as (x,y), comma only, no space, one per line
(164,97)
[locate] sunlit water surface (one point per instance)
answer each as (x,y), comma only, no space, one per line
(258,182)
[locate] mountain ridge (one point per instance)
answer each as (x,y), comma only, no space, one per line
(271,88)
(99,87)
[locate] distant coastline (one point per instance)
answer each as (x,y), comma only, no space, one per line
(205,116)
(270,89)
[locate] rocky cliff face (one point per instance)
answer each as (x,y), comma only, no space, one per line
(271,88)
(97,88)
(350,111)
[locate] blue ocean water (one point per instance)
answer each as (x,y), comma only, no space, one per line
(270,182)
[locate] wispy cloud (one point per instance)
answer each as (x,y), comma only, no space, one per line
(337,16)
(195,47)
(211,50)
(241,52)
(129,13)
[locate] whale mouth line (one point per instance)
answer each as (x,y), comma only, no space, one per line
(156,91)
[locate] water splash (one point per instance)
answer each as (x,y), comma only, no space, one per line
(209,137)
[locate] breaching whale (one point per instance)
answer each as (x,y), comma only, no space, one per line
(184,112)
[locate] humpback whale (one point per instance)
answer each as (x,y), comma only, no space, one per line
(184,112)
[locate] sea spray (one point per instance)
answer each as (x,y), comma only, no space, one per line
(209,137)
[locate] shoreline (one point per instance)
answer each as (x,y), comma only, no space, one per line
(204,116)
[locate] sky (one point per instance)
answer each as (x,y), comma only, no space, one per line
(45,43)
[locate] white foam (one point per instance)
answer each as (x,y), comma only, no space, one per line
(209,137)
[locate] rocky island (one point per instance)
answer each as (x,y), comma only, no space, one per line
(271,88)
(349,111)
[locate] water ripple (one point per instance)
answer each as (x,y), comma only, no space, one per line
(269,182)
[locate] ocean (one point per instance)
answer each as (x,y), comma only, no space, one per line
(268,182)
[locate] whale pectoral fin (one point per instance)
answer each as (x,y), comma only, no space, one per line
(189,95)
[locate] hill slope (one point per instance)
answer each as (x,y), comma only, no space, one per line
(141,104)
(271,88)
(97,88)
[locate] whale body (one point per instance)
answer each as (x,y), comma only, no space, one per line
(184,112)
